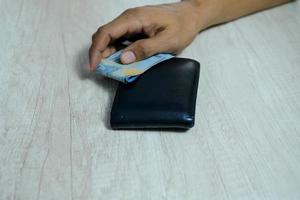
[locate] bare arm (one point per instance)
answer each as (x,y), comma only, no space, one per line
(169,27)
(227,10)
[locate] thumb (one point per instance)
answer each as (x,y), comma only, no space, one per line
(144,48)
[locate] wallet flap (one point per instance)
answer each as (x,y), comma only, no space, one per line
(163,97)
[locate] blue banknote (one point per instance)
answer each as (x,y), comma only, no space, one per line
(126,73)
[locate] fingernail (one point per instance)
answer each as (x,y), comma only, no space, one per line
(128,57)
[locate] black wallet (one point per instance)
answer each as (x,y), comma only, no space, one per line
(163,97)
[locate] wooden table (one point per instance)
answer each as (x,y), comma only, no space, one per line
(55,141)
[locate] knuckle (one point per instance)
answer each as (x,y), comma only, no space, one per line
(133,11)
(147,22)
(102,30)
(94,37)
(129,11)
(100,33)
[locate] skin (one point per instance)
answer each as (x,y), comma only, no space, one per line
(168,28)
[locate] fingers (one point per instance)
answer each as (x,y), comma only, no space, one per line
(123,25)
(99,55)
(108,51)
(141,49)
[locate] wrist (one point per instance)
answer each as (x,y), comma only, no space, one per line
(205,12)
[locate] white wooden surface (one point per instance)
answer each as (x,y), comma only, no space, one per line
(55,142)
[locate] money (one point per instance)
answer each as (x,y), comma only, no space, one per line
(113,68)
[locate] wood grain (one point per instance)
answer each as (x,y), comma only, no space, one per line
(55,142)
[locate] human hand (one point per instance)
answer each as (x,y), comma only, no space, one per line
(169,28)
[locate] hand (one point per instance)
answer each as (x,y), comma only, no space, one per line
(169,28)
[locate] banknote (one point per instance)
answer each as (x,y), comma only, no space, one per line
(127,73)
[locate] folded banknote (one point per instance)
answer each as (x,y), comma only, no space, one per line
(126,73)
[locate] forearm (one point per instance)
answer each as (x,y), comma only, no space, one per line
(212,12)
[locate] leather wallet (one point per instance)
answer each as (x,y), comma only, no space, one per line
(163,97)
